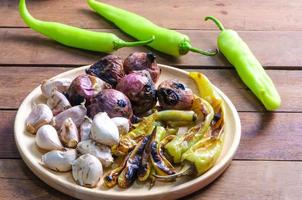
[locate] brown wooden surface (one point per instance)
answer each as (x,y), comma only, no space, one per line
(267,164)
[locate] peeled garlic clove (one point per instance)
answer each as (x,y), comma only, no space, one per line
(40,115)
(69,133)
(58,102)
(87,170)
(104,130)
(59,160)
(85,129)
(102,152)
(61,85)
(47,138)
(122,124)
(76,113)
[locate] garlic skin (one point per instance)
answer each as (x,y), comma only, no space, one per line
(39,116)
(59,161)
(47,138)
(85,129)
(69,135)
(102,152)
(103,130)
(58,102)
(87,170)
(48,86)
(122,124)
(76,113)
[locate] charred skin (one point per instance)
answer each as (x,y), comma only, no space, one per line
(138,61)
(140,90)
(129,173)
(111,101)
(109,68)
(172,94)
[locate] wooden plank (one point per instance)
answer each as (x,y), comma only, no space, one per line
(14,86)
(265,136)
(275,49)
(239,15)
(270,179)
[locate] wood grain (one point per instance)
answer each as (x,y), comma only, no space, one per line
(239,15)
(14,86)
(274,49)
(258,179)
(265,136)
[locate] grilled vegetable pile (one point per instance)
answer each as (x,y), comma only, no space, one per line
(120,122)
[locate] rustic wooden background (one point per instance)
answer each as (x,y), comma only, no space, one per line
(268,162)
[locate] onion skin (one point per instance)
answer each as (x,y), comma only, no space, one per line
(111,101)
(140,90)
(138,61)
(172,94)
(109,69)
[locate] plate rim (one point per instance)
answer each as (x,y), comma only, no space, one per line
(79,191)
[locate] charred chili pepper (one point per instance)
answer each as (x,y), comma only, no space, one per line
(248,67)
(176,115)
(77,37)
(182,143)
(129,173)
(161,165)
(130,140)
(167,41)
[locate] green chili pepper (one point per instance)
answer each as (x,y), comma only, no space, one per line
(76,37)
(130,140)
(248,67)
(182,143)
(167,41)
(176,115)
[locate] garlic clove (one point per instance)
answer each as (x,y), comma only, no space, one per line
(58,102)
(102,152)
(48,86)
(69,133)
(87,170)
(59,160)
(85,129)
(39,116)
(76,113)
(47,138)
(122,124)
(104,130)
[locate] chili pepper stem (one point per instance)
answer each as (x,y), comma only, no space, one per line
(206,53)
(122,43)
(216,21)
(187,169)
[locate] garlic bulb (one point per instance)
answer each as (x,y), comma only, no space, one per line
(39,116)
(87,170)
(102,152)
(59,160)
(85,129)
(69,133)
(47,138)
(122,124)
(58,102)
(104,130)
(76,113)
(48,86)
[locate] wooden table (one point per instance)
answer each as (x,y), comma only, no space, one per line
(268,162)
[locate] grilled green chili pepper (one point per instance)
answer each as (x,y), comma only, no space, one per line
(248,67)
(128,141)
(176,115)
(76,37)
(182,143)
(110,179)
(167,41)
(129,173)
(161,165)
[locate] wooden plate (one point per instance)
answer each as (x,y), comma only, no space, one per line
(162,190)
